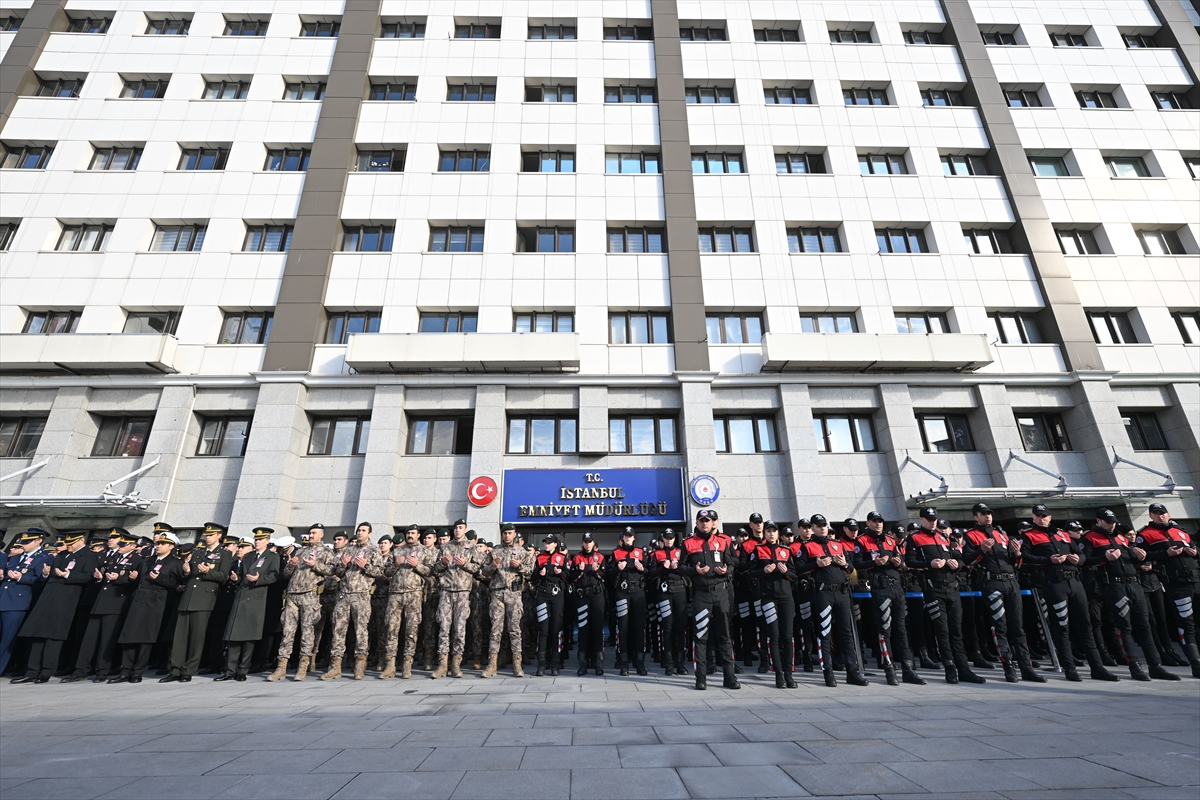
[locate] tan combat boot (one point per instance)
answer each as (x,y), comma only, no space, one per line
(490,670)
(302,669)
(517,671)
(476,663)
(440,672)
(335,669)
(360,667)
(280,670)
(456,666)
(389,671)
(406,668)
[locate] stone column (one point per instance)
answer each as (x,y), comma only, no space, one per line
(699,445)
(278,440)
(68,437)
(1094,427)
(593,420)
(487,456)
(899,437)
(381,465)
(800,447)
(168,437)
(998,432)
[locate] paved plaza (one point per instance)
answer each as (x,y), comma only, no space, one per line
(598,737)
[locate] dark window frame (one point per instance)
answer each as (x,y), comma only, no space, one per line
(328,29)
(8,231)
(124,437)
(956,424)
(198,155)
(61,321)
(367,159)
(800,235)
(462,434)
(557,318)
(814,164)
(657,420)
(723,438)
(264,320)
(1027,326)
(642,156)
(563,238)
(103,233)
(795,95)
(1093,99)
(144,88)
(942,98)
(358,234)
(999,39)
(17,440)
(651,318)
(1111,327)
(998,239)
(469,30)
(616,94)
(1083,240)
(300,88)
(263,233)
(164,24)
(910,236)
(1144,430)
(170,322)
(835,318)
(485,92)
(362,433)
(133,157)
(719,158)
(647,235)
(96,25)
(1069,40)
(928,318)
(480,160)
(240,89)
(55,87)
(710,95)
(1049,425)
(1136,41)
(702,33)
(246,27)
(566,33)
(473,238)
(1024,98)
(192,243)
(339,325)
(541,93)
(745,322)
(10,23)
(628,33)
(539,158)
(221,425)
(1138,164)
(1171,101)
(285,155)
(449,321)
(777,35)
(930,37)
(529,420)
(971,165)
(891,163)
(850,36)
(853,421)
(393,92)
(399,29)
(40,153)
(1182,318)
(738,237)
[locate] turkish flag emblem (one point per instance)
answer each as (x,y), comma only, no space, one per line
(482,491)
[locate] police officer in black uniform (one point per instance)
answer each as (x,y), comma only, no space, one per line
(587,576)
(829,562)
(772,565)
(627,574)
(1173,550)
(708,561)
(878,556)
(672,601)
(117,575)
(550,574)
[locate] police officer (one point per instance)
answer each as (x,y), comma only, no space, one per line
(205,572)
(259,569)
(587,576)
(407,568)
(28,567)
(1173,550)
(709,562)
(772,566)
(878,556)
(49,623)
(672,602)
(828,562)
(117,575)
(745,595)
(550,575)
(627,573)
(161,573)
(805,596)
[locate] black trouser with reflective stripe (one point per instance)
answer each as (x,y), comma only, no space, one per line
(943,605)
(747,623)
(1131,616)
(589,616)
(1183,597)
(891,612)
(834,610)
(548,609)
(1068,612)
(631,628)
(806,630)
(1003,599)
(778,615)
(672,622)
(710,618)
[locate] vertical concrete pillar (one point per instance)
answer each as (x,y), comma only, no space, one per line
(1095,428)
(68,437)
(381,465)
(16,70)
(995,429)
(593,420)
(487,456)
(800,447)
(1181,426)
(699,446)
(899,437)
(168,437)
(278,440)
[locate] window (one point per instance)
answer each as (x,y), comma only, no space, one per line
(452,322)
(168,27)
(60,87)
(828,323)
(999,39)
(1144,431)
(1077,242)
(157,322)
(1090,99)
(745,434)
(641,435)
(121,437)
(637,240)
(441,437)
(226,90)
(51,322)
(8,230)
(144,89)
(553,239)
(844,433)
(27,157)
(945,433)
(563,93)
(1023,98)
(302,90)
(850,37)
(88,24)
(941,97)
(639,327)
(702,34)
(477,30)
(267,239)
(921,322)
(1193,165)
(1111,327)
(464,161)
(246,27)
(635,163)
(223,437)
(400,91)
(178,238)
(84,238)
(630,94)
(865,97)
(734,328)
(1015,328)
(800,163)
(1161,243)
(367,238)
(203,158)
(340,324)
(115,158)
(726,240)
(471,93)
(552,32)
(287,160)
(402,30)
(1049,166)
(1069,40)
(1042,432)
(882,164)
(1134,167)
(246,327)
(542,436)
(10,24)
(716,163)
(923,37)
(958,165)
(628,33)
(548,161)
(1135,41)
(1189,325)
(19,438)
(901,240)
(987,241)
(380,160)
(787,95)
(320,29)
(339,436)
(765,34)
(544,322)
(814,240)
(456,239)
(1170,101)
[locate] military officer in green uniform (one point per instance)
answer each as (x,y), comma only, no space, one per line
(205,572)
(259,569)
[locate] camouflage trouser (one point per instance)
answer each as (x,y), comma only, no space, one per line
(429,622)
(476,635)
(403,609)
(454,609)
(507,607)
(358,606)
(303,612)
(379,605)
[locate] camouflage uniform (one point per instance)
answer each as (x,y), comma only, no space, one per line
(302,605)
(454,606)
(429,615)
(406,593)
(354,599)
(477,623)
(506,583)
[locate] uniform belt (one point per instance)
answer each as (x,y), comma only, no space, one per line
(1183,577)
(309,591)
(1120,579)
(1064,575)
(882,581)
(833,587)
(1001,576)
(715,586)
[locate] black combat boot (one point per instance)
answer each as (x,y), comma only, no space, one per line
(830,678)
(788,680)
(731,681)
(1027,674)
(1136,672)
(925,661)
(598,663)
(1193,656)
(806,659)
(1167,653)
(965,675)
(1010,671)
(1160,673)
(701,679)
(856,678)
(779,679)
(1070,672)
(583,666)
(980,662)
(909,675)
(639,667)
(889,674)
(951,672)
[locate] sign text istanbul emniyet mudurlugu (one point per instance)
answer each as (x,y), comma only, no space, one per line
(655,509)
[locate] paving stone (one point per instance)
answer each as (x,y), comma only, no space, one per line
(850,751)
(400,786)
(983,776)
(568,758)
(626,784)
(762,753)
(1077,773)
(200,787)
(543,784)
(950,748)
(529,737)
(1174,769)
(456,758)
(725,782)
(571,721)
(278,762)
(65,788)
(402,758)
(836,779)
(712,734)
(667,755)
(604,736)
(782,732)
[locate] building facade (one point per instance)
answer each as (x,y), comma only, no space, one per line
(318,260)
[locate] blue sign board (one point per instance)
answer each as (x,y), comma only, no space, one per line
(593,497)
